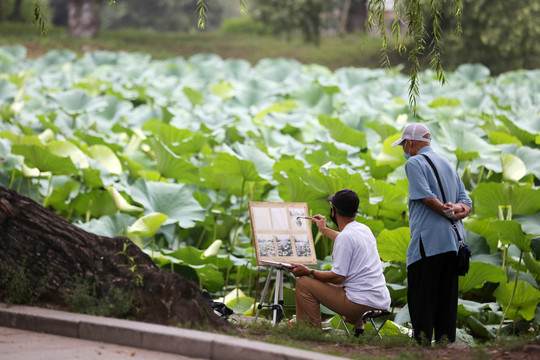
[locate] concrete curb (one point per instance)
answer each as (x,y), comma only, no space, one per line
(192,343)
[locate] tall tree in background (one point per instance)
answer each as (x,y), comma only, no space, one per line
(84,17)
(353,16)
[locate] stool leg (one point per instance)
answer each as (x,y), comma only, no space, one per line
(344,325)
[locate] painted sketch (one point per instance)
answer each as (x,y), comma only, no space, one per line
(261,217)
(284,245)
(279,219)
(301,243)
(265,244)
(298,223)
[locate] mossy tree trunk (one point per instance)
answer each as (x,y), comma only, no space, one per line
(55,256)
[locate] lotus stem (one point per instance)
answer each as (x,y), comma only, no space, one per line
(512,296)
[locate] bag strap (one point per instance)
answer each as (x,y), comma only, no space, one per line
(442,193)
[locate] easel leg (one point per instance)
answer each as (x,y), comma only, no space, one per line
(278,296)
(263,295)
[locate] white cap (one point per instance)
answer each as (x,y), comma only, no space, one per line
(415,132)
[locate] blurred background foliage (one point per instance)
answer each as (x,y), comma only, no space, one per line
(502,35)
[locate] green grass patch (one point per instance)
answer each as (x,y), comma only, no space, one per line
(333,52)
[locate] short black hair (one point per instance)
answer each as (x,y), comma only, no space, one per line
(345,202)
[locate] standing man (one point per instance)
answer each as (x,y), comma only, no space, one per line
(356,282)
(432,254)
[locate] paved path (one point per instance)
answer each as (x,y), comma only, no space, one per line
(78,336)
(18,344)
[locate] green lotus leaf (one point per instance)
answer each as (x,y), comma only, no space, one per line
(280,107)
(174,200)
(42,159)
(77,101)
(444,102)
(488,197)
(393,244)
(189,255)
(478,329)
(465,144)
(497,137)
(513,168)
(510,232)
(106,158)
(329,153)
(392,156)
(110,226)
(263,163)
(68,149)
(171,165)
(241,305)
(7,90)
(479,273)
(194,97)
(228,164)
(61,195)
(211,278)
(223,89)
(342,133)
(469,307)
(530,223)
(9,161)
(397,291)
(531,263)
(147,225)
(180,141)
(524,300)
(315,97)
(94,204)
(211,179)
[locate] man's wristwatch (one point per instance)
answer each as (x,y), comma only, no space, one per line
(312,274)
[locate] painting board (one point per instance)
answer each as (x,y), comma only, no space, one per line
(280,235)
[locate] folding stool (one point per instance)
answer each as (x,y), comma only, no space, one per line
(368,315)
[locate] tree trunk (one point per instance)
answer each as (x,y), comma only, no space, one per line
(357,16)
(84,18)
(56,257)
(344,17)
(16,14)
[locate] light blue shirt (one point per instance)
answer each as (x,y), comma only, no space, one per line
(427,227)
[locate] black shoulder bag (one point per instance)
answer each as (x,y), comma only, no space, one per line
(464,254)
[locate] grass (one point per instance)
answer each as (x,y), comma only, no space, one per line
(333,52)
(332,342)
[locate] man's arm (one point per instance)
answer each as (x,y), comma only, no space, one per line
(320,221)
(324,276)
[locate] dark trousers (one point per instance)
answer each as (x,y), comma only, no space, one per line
(432,297)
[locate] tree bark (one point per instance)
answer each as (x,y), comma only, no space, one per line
(84,18)
(54,254)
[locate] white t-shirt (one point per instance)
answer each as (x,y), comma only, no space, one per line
(356,257)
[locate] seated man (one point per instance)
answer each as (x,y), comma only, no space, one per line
(356,282)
